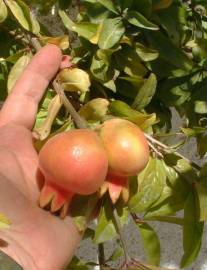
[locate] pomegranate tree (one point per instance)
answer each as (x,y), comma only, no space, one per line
(71,162)
(127,150)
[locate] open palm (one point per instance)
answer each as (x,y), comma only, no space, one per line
(36,239)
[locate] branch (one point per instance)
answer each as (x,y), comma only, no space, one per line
(122,238)
(168,150)
(101,255)
(79,121)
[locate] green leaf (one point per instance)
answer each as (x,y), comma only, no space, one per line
(17,70)
(3,11)
(139,20)
(183,167)
(117,253)
(100,66)
(83,29)
(76,264)
(143,6)
(128,60)
(23,15)
(163,45)
(201,192)
(174,27)
(14,57)
(202,145)
(95,109)
(121,109)
(81,215)
(122,211)
(169,206)
(200,106)
(111,32)
(145,53)
(151,243)
(167,219)
(4,222)
(162,4)
(151,183)
(192,232)
(145,93)
(105,229)
(109,4)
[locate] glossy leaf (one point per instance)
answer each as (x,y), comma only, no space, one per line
(95,109)
(163,45)
(192,232)
(74,80)
(23,15)
(111,32)
(109,4)
(145,53)
(167,219)
(129,61)
(151,243)
(17,70)
(201,192)
(3,11)
(83,29)
(162,4)
(61,41)
(151,183)
(105,229)
(44,129)
(82,215)
(172,199)
(183,167)
(117,253)
(121,109)
(145,93)
(139,20)
(76,264)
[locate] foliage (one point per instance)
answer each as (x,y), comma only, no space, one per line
(143,58)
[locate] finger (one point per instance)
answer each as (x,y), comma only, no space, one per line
(22,104)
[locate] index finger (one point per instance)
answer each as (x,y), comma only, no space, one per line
(21,105)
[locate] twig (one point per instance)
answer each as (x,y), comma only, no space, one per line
(168,150)
(35,43)
(101,255)
(18,37)
(155,150)
(79,121)
(153,140)
(122,238)
(136,219)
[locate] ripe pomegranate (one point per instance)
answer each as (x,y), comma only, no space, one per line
(72,162)
(127,150)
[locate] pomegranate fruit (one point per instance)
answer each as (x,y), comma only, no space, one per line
(127,150)
(72,162)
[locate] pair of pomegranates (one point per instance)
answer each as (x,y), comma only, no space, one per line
(80,161)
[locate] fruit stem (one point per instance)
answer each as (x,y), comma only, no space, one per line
(121,236)
(79,121)
(167,150)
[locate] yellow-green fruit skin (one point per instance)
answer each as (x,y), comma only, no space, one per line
(126,147)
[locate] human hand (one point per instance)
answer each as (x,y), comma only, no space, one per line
(36,239)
